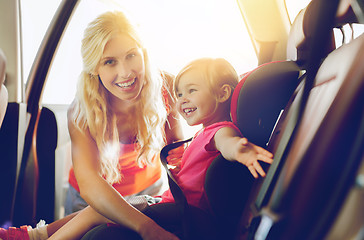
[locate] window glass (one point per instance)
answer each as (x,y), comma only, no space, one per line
(34,23)
(347,33)
(294,7)
(175,32)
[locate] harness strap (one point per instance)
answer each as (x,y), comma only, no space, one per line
(177,192)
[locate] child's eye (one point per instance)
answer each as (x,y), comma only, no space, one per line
(130,55)
(179,95)
(192,90)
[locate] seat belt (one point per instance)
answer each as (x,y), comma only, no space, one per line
(176,191)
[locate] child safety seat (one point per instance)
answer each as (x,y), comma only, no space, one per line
(256,104)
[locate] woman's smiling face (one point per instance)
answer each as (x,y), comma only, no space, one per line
(121,68)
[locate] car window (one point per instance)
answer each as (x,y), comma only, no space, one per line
(34,23)
(350,31)
(176,32)
(294,7)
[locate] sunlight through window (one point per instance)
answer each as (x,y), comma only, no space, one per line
(175,33)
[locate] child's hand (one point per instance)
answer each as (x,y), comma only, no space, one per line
(248,154)
(174,159)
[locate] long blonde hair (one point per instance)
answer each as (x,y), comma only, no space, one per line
(92,110)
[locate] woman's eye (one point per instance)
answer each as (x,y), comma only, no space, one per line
(109,62)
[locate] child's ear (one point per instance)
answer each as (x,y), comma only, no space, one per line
(224,93)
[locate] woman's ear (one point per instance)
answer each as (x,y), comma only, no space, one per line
(94,72)
(224,93)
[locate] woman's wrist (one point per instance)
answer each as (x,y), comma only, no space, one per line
(144,227)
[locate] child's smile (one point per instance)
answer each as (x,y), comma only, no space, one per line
(188,111)
(195,101)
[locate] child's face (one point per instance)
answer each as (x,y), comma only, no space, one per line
(121,68)
(195,102)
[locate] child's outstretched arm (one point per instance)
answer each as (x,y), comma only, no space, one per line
(235,148)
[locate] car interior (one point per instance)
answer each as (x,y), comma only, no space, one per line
(3,90)
(304,102)
(305,186)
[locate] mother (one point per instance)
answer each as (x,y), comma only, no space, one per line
(121,117)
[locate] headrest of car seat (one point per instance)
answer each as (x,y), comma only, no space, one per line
(3,90)
(301,32)
(260,96)
(345,14)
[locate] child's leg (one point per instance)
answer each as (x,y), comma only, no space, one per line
(14,233)
(54,226)
(75,228)
(41,232)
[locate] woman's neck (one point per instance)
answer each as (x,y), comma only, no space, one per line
(125,112)
(127,126)
(122,107)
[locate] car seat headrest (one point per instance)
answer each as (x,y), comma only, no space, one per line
(260,96)
(301,32)
(345,14)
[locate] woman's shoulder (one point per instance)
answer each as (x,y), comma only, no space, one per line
(71,110)
(71,117)
(75,128)
(71,107)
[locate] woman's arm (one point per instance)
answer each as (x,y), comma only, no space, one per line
(88,218)
(235,148)
(94,189)
(173,127)
(99,194)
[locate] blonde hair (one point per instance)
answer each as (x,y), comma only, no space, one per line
(92,111)
(216,72)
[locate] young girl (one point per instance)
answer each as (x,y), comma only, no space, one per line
(203,89)
(120,119)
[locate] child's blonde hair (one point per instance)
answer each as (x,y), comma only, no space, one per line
(92,111)
(216,71)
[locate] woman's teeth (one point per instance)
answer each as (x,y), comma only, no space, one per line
(126,84)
